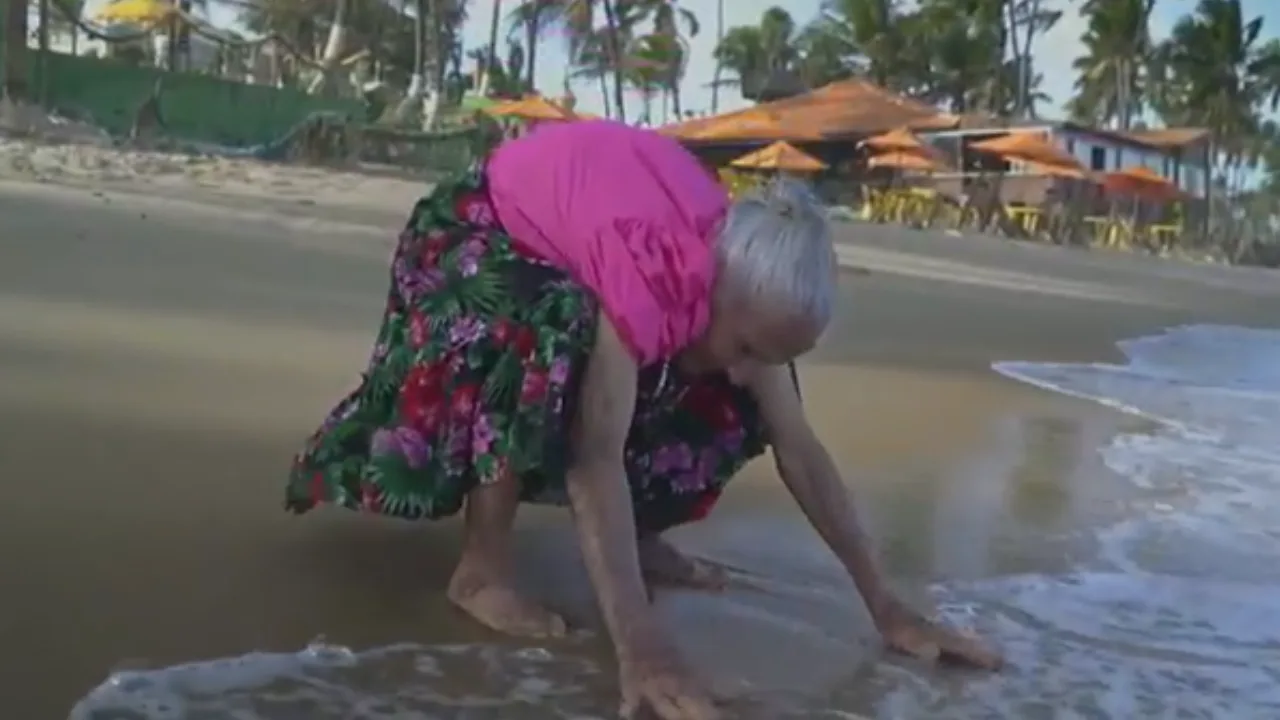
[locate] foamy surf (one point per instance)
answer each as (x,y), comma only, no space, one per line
(330,682)
(1184,620)
(1173,616)
(1210,475)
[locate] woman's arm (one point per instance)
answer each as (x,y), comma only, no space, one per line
(811,476)
(813,480)
(600,497)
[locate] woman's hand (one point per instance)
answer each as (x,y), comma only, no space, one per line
(906,631)
(653,673)
(809,473)
(658,679)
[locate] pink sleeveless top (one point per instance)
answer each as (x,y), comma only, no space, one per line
(628,213)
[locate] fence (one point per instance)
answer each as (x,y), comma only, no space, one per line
(213,111)
(195,108)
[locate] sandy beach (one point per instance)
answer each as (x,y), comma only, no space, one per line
(165,343)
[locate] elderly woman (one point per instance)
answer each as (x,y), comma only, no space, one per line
(586,319)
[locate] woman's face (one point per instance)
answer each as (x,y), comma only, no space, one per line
(740,338)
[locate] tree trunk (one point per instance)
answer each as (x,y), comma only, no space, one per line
(42,32)
(332,55)
(715,78)
(1125,99)
(615,58)
(531,47)
(1026,68)
(604,93)
(16,82)
(184,36)
(443,45)
(412,102)
(491,57)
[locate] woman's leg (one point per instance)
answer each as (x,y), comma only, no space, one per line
(483,584)
(693,449)
(662,563)
(665,565)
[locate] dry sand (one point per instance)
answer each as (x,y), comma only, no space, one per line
(165,345)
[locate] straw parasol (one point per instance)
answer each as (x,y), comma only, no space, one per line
(904,160)
(1142,183)
(900,140)
(137,12)
(1032,148)
(754,124)
(532,107)
(782,156)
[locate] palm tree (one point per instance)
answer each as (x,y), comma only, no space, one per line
(613,44)
(412,102)
(532,18)
(1026,20)
(761,54)
(593,50)
(1111,72)
(667,44)
(491,58)
(647,66)
(954,61)
(1215,71)
(867,34)
(591,61)
(715,78)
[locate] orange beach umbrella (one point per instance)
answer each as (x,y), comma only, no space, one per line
(779,156)
(752,125)
(1143,183)
(900,139)
(532,107)
(1031,148)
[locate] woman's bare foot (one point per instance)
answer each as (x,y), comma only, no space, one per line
(662,564)
(494,602)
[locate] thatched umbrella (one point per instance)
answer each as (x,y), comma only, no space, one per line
(781,156)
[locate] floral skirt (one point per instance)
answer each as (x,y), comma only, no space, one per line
(474,378)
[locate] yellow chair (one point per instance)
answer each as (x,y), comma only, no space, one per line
(1102,230)
(872,204)
(921,207)
(1166,235)
(737,183)
(1028,218)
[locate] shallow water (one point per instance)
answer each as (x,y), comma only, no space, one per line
(1160,605)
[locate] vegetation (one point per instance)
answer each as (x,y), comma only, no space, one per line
(1217,68)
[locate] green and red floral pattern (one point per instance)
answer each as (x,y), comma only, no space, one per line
(473,378)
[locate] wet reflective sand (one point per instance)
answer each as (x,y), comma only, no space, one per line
(159,363)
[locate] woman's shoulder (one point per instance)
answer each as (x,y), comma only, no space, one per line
(631,214)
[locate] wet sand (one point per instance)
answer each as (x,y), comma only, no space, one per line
(161,358)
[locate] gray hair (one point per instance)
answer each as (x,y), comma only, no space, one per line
(776,247)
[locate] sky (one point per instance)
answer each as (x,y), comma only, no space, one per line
(1053,53)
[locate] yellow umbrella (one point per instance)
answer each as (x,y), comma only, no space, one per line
(903,160)
(138,12)
(533,107)
(780,156)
